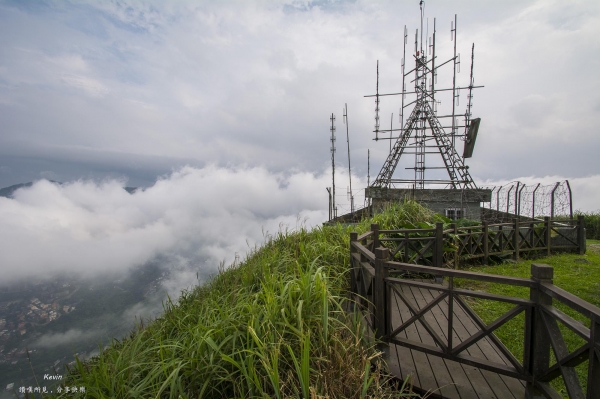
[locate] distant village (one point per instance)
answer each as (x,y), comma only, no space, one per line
(19,315)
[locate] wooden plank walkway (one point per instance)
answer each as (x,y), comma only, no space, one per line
(440,377)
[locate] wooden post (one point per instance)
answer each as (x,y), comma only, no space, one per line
(455,232)
(486,245)
(353,238)
(375,230)
(581,234)
(593,384)
(547,233)
(379,292)
(539,345)
(438,255)
(516,238)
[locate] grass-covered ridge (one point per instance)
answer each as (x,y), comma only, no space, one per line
(271,327)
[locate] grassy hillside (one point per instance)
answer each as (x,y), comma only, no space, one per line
(271,327)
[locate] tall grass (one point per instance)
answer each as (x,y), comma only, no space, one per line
(271,327)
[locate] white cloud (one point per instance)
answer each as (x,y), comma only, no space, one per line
(199,216)
(72,337)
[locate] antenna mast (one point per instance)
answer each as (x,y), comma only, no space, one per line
(332,129)
(349,170)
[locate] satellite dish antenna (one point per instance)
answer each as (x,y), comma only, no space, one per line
(471,136)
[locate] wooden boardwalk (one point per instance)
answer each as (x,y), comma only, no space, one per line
(441,377)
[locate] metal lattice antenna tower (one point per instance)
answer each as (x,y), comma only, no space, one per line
(422,133)
(332,129)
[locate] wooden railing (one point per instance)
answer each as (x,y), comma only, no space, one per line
(439,247)
(375,279)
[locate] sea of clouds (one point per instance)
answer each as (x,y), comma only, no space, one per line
(196,218)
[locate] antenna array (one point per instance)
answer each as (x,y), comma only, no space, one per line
(422,133)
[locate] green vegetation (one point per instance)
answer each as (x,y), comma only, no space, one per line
(274,326)
(592,224)
(577,274)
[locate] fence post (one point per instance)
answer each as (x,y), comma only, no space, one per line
(581,234)
(593,386)
(486,245)
(375,230)
(438,256)
(353,238)
(379,292)
(516,234)
(547,231)
(538,358)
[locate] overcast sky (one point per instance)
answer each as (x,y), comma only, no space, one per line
(241,92)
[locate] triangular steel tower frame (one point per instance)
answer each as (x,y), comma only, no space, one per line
(423,125)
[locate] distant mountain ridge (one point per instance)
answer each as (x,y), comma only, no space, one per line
(8,192)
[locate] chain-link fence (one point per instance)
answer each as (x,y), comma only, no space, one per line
(534,201)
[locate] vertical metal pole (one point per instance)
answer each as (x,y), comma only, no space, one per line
(508,199)
(533,202)
(433,69)
(570,199)
(368,167)
(403,80)
(519,198)
(453,31)
(391,128)
(349,169)
(329,191)
(334,209)
(471,83)
(368,174)
(377,105)
(498,199)
(552,200)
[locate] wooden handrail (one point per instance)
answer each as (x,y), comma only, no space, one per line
(518,281)
(363,250)
(583,307)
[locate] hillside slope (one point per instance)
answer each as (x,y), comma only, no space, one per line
(272,326)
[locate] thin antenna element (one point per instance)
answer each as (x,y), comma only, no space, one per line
(349,169)
(470,97)
(377,106)
(368,167)
(332,129)
(391,130)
